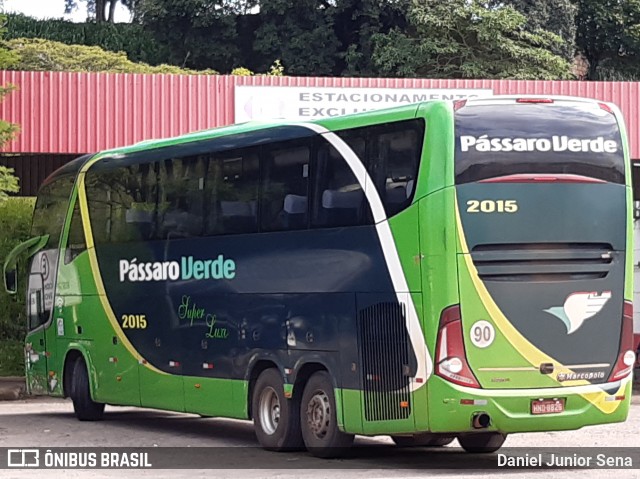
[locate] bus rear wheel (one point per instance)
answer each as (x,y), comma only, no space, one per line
(85,408)
(482,442)
(276,419)
(423,440)
(320,429)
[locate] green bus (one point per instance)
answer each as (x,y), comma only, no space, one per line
(430,272)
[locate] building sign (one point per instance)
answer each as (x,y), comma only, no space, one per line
(309,103)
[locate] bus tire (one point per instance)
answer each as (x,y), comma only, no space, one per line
(318,419)
(482,442)
(423,440)
(276,419)
(84,407)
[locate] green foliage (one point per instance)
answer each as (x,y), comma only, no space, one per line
(198,33)
(276,70)
(467,39)
(131,38)
(299,32)
(8,131)
(45,55)
(458,38)
(8,181)
(555,16)
(356,22)
(242,72)
(15,223)
(8,58)
(608,37)
(11,357)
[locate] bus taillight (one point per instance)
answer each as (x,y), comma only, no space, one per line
(605,107)
(626,356)
(459,104)
(534,100)
(451,360)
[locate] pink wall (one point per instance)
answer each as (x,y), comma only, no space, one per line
(62,112)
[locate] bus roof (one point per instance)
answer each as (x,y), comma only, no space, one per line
(332,123)
(405,111)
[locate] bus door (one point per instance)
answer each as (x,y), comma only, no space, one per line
(39,305)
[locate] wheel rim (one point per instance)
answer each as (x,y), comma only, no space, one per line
(269,411)
(319,414)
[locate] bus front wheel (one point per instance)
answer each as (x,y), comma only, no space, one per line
(482,442)
(84,407)
(422,440)
(276,419)
(320,429)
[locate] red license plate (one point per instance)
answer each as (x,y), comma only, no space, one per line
(547,406)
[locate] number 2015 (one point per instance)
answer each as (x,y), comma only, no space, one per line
(134,321)
(492,206)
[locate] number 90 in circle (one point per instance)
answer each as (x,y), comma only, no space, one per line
(482,334)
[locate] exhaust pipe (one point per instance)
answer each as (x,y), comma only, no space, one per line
(481,420)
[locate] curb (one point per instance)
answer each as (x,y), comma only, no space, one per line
(12,388)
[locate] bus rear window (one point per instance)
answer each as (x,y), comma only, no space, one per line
(499,140)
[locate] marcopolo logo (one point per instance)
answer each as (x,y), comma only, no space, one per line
(556,144)
(185,269)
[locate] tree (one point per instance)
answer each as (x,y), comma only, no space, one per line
(468,39)
(102,10)
(608,37)
(555,16)
(8,131)
(356,22)
(198,33)
(300,33)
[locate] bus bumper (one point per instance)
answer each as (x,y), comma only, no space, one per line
(454,408)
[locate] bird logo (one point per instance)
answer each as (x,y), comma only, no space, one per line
(578,307)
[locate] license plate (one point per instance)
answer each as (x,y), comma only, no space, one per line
(547,406)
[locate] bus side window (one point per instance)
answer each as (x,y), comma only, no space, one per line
(122,203)
(76,243)
(182,197)
(399,153)
(283,204)
(391,154)
(232,193)
(338,197)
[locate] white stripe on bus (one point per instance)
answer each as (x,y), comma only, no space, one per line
(425,365)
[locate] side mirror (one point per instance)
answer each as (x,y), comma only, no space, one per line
(10,268)
(11,281)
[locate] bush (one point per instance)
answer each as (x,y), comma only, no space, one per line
(15,222)
(11,358)
(131,38)
(37,54)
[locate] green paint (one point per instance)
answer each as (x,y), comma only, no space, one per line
(214,397)
(352,412)
(511,414)
(403,226)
